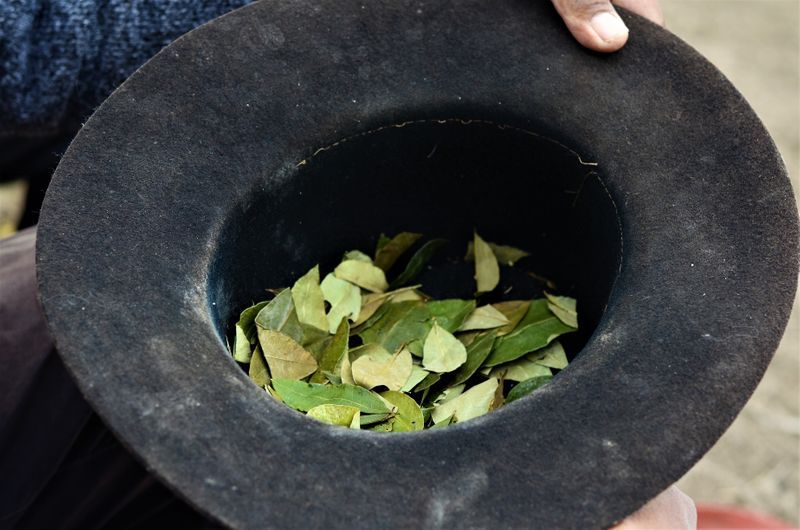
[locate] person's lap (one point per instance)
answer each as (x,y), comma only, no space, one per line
(67,470)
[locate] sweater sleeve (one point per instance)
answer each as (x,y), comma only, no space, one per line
(59,59)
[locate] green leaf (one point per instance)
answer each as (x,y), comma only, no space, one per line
(455,340)
(553,356)
(343,415)
(477,352)
(526,387)
(526,338)
(426,413)
(484,317)
(468,337)
(286,358)
(258,369)
(408,416)
(487,272)
(537,310)
(381,368)
(449,393)
(474,402)
(388,253)
(383,427)
(415,346)
(247,320)
(345,369)
(369,307)
(304,396)
(508,255)
(371,302)
(444,423)
(417,375)
(519,370)
(417,262)
(383,239)
(357,255)
(241,346)
(406,295)
(365,275)
(505,254)
(430,380)
(450,314)
(372,419)
(498,395)
(365,349)
(273,394)
(279,315)
(331,355)
(564,308)
(397,325)
(513,310)
(308,300)
(330,377)
(442,352)
(345,300)
(314,340)
(246,332)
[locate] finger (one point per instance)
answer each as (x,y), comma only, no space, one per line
(647,8)
(593,23)
(672,510)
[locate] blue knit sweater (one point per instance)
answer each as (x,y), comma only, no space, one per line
(60,58)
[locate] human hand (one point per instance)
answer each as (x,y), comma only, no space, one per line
(672,510)
(596,25)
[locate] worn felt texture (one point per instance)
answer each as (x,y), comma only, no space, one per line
(262,122)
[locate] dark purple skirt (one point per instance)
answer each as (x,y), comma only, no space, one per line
(59,465)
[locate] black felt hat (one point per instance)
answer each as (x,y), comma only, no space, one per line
(275,137)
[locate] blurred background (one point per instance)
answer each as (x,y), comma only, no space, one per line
(756,44)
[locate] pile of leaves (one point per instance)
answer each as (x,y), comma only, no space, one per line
(359,351)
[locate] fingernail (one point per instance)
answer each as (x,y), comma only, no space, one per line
(609,27)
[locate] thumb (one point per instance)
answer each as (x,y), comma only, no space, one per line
(593,23)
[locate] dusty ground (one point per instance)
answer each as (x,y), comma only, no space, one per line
(756,43)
